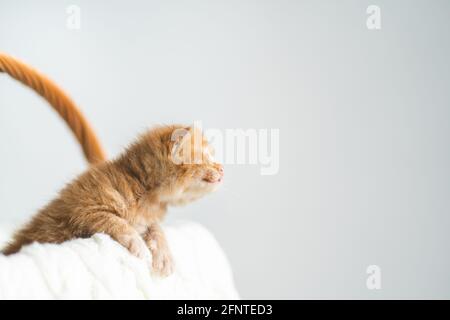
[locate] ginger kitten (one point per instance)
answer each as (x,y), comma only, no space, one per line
(126,198)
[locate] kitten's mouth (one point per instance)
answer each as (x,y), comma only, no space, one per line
(214,179)
(208,180)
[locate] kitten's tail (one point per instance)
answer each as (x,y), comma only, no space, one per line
(62,104)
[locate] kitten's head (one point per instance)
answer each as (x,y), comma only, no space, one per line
(185,163)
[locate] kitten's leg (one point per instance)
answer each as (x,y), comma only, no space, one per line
(157,243)
(116,227)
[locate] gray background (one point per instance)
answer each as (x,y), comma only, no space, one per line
(363,116)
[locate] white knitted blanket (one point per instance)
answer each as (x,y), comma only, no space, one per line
(100,268)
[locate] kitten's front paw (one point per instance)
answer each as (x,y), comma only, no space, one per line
(163,263)
(137,247)
(162,260)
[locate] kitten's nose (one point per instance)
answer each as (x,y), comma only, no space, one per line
(220,169)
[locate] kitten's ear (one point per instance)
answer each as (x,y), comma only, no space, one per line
(180,145)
